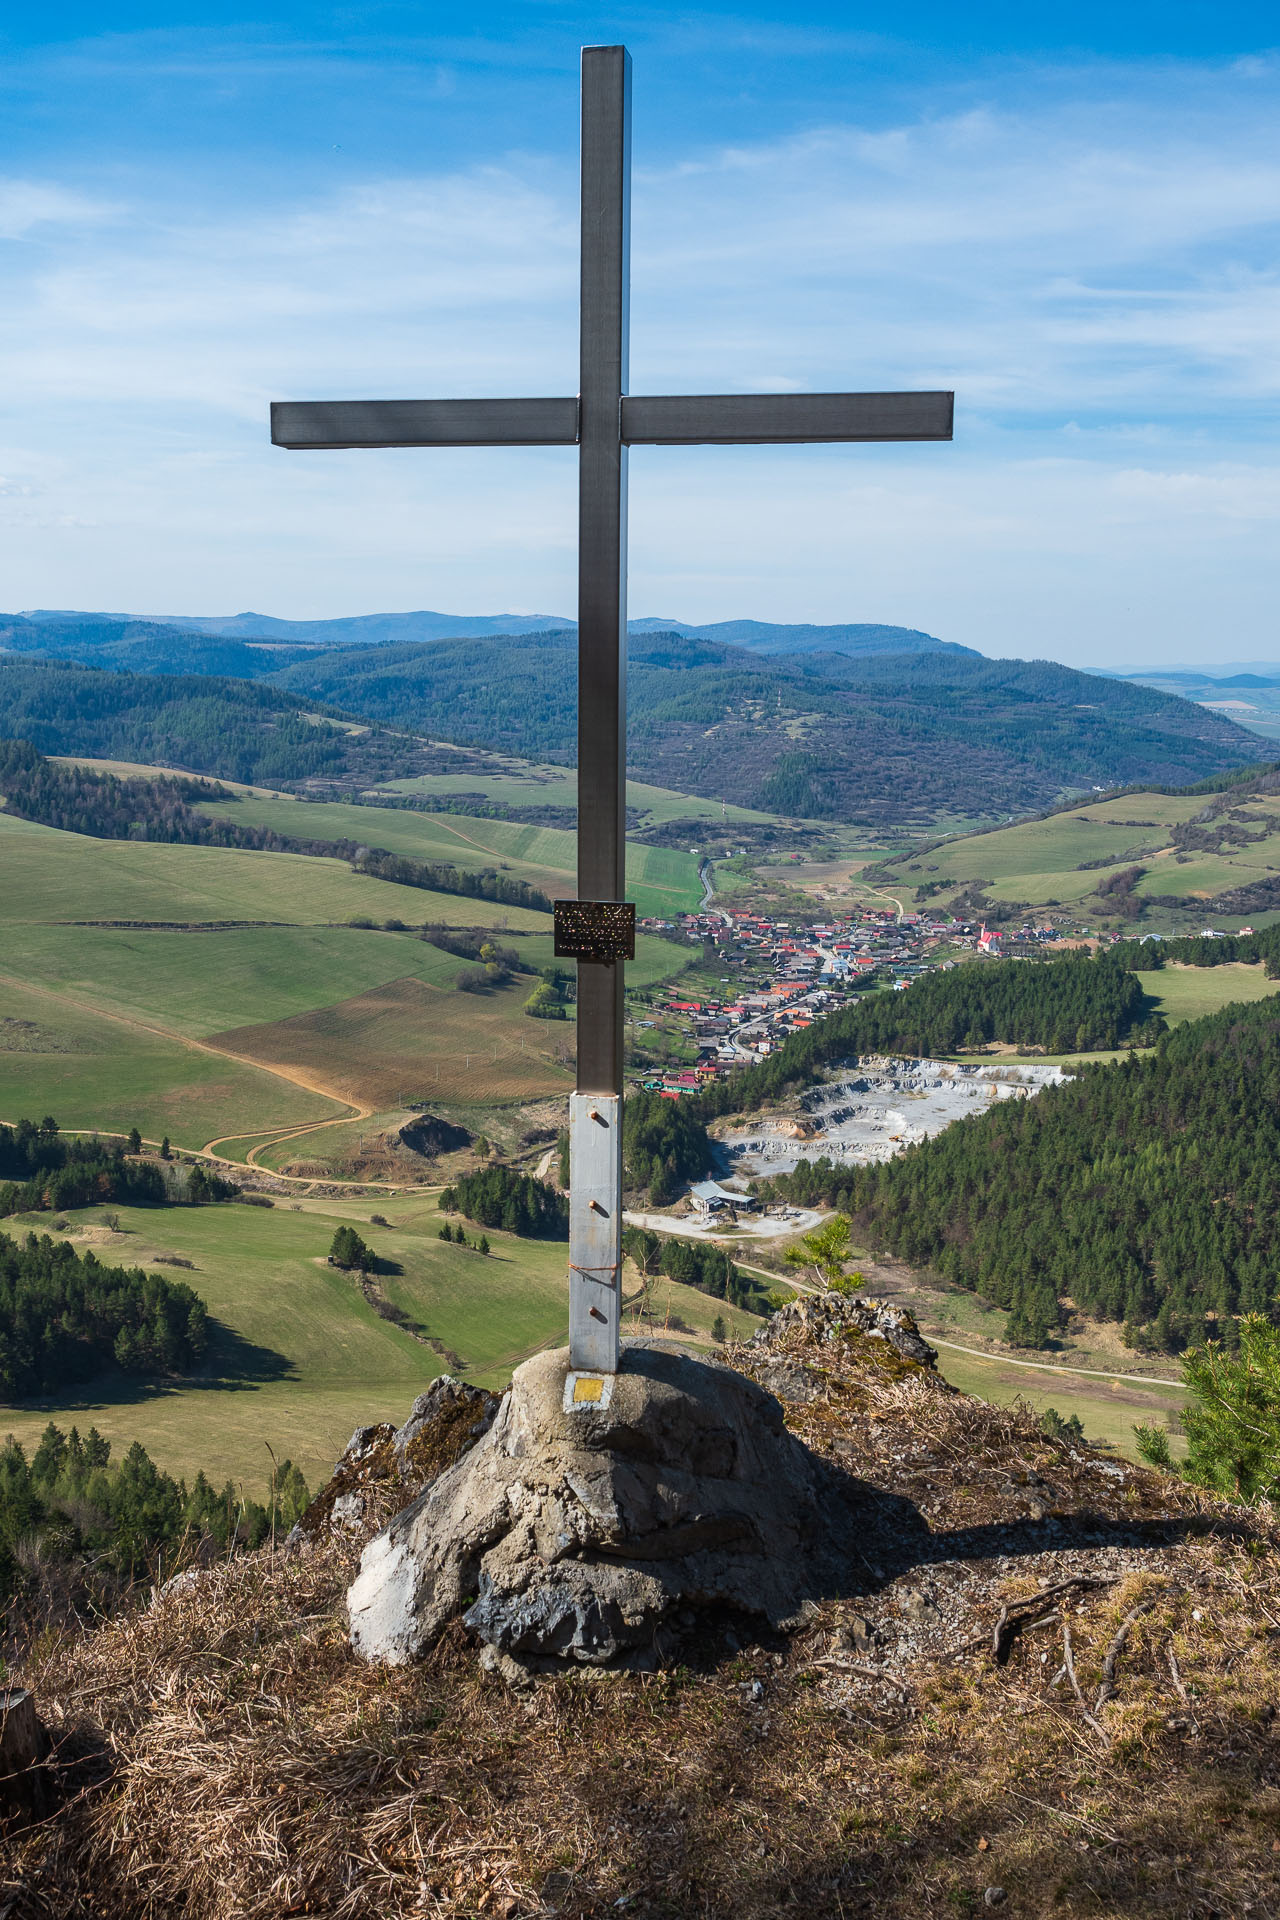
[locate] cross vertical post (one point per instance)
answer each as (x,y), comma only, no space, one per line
(595,1121)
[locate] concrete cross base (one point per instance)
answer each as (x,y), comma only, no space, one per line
(599,1532)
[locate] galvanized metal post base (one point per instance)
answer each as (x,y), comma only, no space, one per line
(595,1231)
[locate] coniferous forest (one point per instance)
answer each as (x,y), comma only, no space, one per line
(66,1316)
(694,1263)
(41,1171)
(1145,1191)
(664,1144)
(97,1524)
(516,1202)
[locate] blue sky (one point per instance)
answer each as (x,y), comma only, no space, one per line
(1074,221)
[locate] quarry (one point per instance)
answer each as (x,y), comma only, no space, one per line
(871,1108)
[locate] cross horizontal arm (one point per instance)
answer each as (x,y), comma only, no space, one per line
(316,424)
(759,418)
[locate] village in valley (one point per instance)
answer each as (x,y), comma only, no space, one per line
(779,976)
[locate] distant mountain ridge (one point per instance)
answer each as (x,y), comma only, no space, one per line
(391,629)
(915,735)
(883,738)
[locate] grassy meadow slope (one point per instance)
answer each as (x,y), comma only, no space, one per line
(1185,860)
(413,1041)
(130,995)
(51,876)
(524,783)
(63,1055)
(659,879)
(1189,993)
(299,1358)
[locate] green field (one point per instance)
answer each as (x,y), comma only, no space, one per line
(299,1358)
(1188,993)
(93,1070)
(522,783)
(1043,863)
(199,982)
(51,876)
(117,1025)
(661,880)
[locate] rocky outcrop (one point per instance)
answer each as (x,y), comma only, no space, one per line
(444,1423)
(824,1316)
(429,1135)
(576,1530)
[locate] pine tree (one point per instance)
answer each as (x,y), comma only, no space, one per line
(349,1251)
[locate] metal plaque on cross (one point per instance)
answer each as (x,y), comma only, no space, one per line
(603,421)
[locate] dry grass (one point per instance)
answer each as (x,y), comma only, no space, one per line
(883,1762)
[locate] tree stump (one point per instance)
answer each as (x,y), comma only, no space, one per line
(26,1779)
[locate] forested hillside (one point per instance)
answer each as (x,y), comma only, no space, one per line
(206,725)
(871,737)
(1146,1191)
(880,738)
(64,1318)
(225,728)
(140,646)
(85,800)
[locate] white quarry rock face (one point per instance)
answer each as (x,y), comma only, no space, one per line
(572,1535)
(874,1112)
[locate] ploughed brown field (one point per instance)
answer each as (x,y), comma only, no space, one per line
(409,1040)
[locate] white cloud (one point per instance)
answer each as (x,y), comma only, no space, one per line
(1097,277)
(28,205)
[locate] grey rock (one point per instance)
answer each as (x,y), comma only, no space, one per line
(447,1403)
(856,1635)
(443,1423)
(517,1677)
(789,1382)
(363,1444)
(580,1534)
(823,1315)
(993,1896)
(347,1510)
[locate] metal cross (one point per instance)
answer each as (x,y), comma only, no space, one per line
(602,422)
